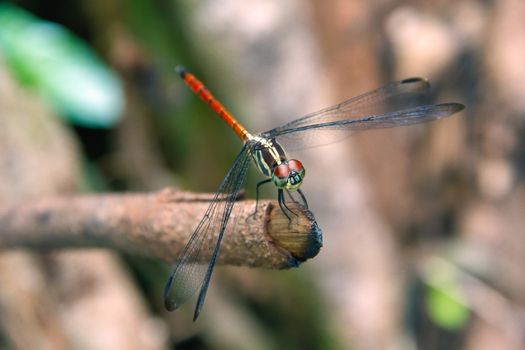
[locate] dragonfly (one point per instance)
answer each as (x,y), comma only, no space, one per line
(396,104)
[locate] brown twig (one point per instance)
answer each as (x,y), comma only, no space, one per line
(159,225)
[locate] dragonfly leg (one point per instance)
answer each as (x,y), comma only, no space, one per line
(305,202)
(280,200)
(282,204)
(257,193)
(290,210)
(302,202)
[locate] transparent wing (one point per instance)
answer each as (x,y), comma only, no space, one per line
(410,116)
(194,266)
(399,103)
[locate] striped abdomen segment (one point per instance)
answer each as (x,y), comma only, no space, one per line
(200,90)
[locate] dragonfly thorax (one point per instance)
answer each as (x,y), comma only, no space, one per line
(272,162)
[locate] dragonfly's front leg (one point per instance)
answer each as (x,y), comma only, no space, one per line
(305,202)
(259,184)
(284,207)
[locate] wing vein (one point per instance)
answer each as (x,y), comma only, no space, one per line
(194,266)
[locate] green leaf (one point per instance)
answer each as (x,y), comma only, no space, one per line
(445,302)
(61,67)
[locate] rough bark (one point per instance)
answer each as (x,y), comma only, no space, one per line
(159,225)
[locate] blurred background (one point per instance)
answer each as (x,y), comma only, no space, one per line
(424,246)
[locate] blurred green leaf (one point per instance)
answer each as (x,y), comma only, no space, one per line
(61,67)
(444,300)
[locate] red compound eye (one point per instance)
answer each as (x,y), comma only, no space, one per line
(295,165)
(281,171)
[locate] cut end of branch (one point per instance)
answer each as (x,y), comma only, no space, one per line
(300,236)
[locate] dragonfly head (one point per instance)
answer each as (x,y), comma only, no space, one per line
(289,174)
